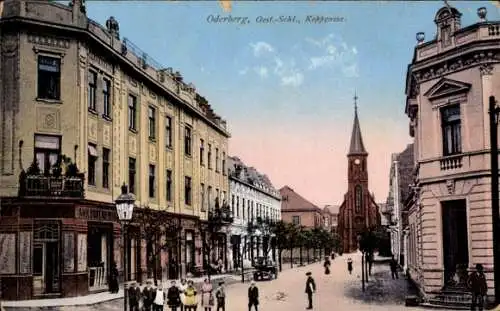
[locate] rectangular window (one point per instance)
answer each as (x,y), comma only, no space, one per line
(152,122)
(217,193)
(105,167)
(237,207)
(202,196)
(106,98)
(132,112)
(169,186)
(187,190)
(49,77)
(187,140)
(243,209)
(168,132)
(131,174)
(202,151)
(216,159)
(91,89)
(209,156)
(452,141)
(232,203)
(296,220)
(152,172)
(47,151)
(209,198)
(223,163)
(92,159)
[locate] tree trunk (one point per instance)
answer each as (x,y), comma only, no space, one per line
(300,255)
(291,257)
(308,256)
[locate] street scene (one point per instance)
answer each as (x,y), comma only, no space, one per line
(247,155)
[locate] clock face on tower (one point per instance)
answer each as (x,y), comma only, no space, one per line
(357,161)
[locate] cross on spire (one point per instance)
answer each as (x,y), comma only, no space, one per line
(355,101)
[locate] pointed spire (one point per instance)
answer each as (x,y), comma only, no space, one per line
(357,146)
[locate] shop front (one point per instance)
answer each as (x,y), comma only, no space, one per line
(56,249)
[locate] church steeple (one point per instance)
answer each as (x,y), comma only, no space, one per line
(357,147)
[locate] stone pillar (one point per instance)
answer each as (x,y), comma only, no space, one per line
(486,71)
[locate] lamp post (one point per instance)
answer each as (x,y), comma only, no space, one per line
(494,116)
(125,207)
(257,234)
(361,248)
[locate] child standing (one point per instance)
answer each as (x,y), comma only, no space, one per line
(349,265)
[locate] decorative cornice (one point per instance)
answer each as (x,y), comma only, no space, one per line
(445,67)
(486,69)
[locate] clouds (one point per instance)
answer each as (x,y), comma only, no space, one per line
(329,52)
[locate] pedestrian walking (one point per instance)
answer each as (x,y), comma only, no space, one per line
(478,287)
(148,295)
(113,279)
(134,297)
(349,265)
(173,296)
(394,268)
(253,297)
(207,299)
(191,301)
(310,290)
(182,289)
(326,265)
(159,300)
(220,295)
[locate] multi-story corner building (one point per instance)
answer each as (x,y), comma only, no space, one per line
(73,88)
(254,203)
(448,85)
(400,178)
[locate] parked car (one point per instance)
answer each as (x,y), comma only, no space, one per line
(264,269)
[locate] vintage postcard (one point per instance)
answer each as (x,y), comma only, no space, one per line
(249,155)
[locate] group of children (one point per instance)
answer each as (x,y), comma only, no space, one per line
(183,296)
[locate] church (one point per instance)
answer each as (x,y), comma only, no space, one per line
(359,210)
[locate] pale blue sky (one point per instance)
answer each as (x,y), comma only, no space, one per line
(294,80)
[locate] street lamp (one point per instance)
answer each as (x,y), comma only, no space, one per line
(494,112)
(125,207)
(361,248)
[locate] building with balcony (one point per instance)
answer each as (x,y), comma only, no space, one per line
(83,112)
(255,204)
(448,85)
(400,178)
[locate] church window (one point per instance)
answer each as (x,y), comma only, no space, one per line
(358,199)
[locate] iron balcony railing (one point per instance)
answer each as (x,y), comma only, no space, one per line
(221,215)
(52,186)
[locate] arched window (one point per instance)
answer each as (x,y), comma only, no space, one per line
(358,198)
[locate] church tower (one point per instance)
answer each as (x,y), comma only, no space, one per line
(358,211)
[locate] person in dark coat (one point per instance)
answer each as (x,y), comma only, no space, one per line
(253,297)
(326,265)
(148,294)
(134,297)
(310,289)
(173,297)
(394,268)
(349,265)
(113,279)
(478,287)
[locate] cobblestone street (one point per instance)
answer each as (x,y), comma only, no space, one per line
(337,291)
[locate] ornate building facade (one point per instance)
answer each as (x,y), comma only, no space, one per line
(72,88)
(254,203)
(359,211)
(448,85)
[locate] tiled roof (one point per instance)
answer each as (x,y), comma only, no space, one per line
(250,175)
(291,200)
(333,209)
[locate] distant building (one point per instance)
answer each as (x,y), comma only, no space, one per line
(252,197)
(331,217)
(299,211)
(448,84)
(359,211)
(400,178)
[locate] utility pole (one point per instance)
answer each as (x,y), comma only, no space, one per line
(494,111)
(363,269)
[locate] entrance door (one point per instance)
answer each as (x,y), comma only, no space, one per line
(46,254)
(455,242)
(51,267)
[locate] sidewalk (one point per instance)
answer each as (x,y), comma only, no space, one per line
(92,299)
(380,287)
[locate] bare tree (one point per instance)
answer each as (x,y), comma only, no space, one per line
(160,230)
